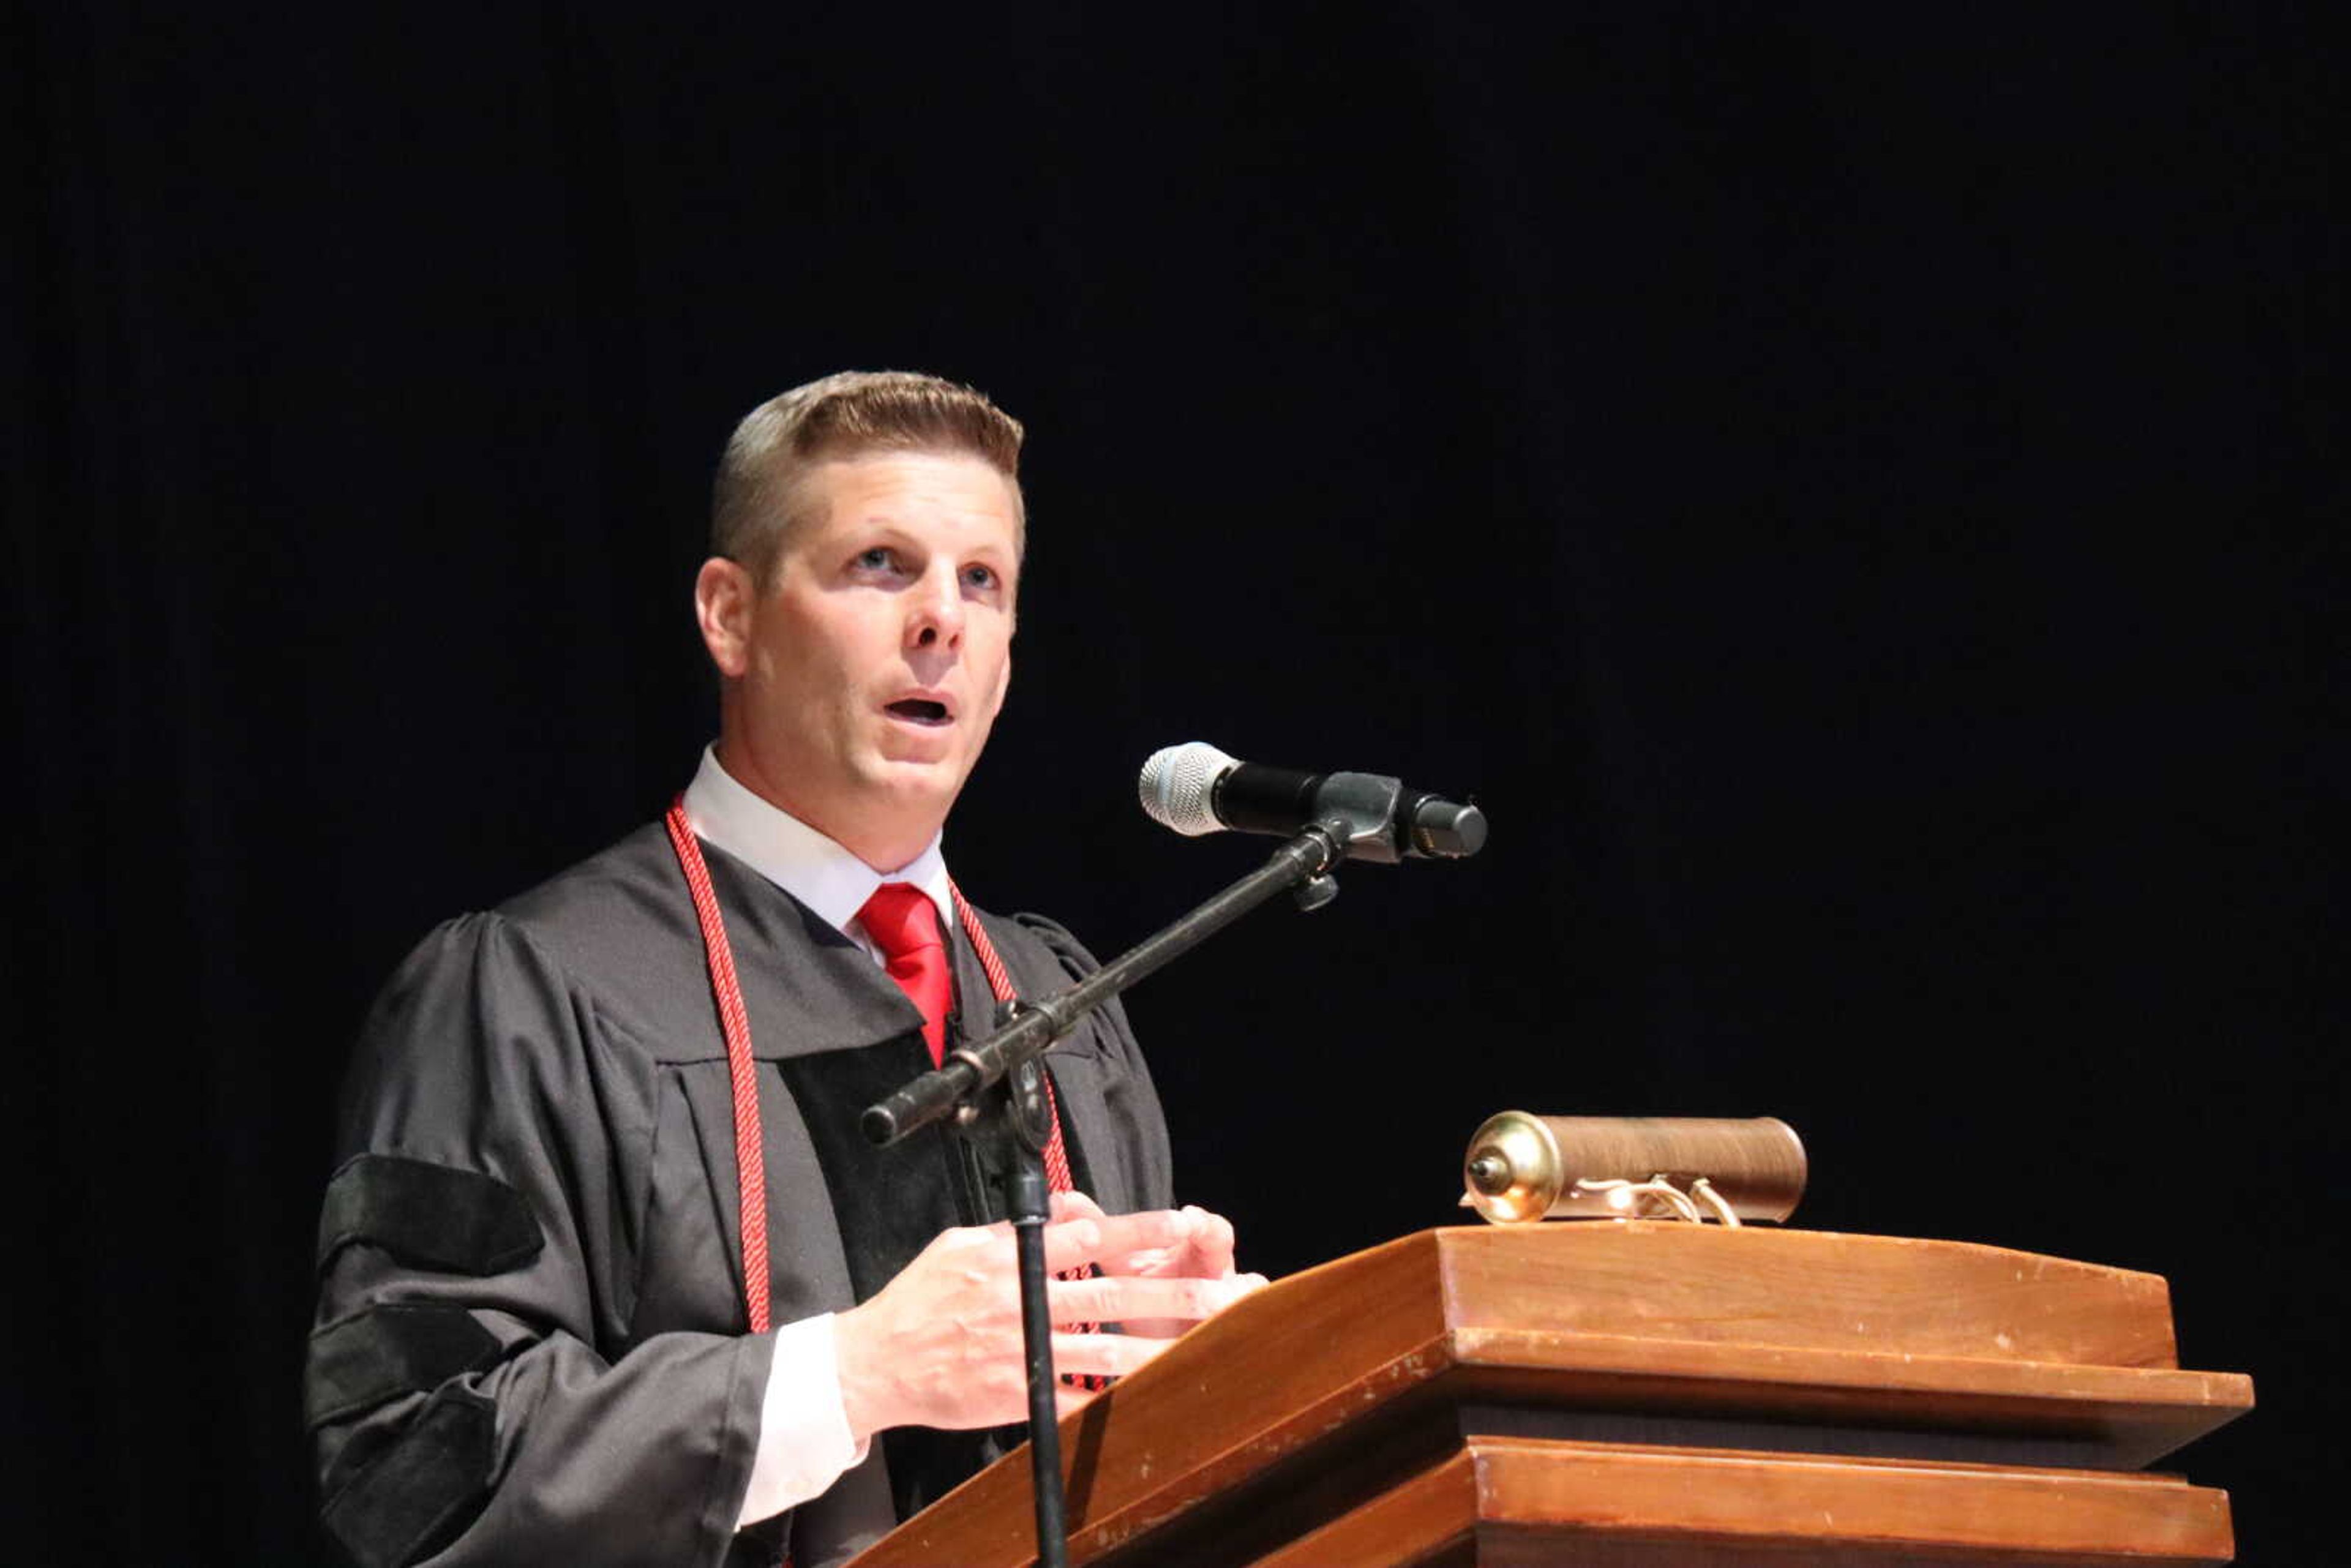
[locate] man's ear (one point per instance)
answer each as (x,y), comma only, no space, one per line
(723,595)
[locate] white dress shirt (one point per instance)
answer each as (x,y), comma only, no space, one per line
(804,1438)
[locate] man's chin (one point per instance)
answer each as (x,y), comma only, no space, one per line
(904,785)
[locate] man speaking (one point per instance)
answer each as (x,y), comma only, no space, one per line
(608,1274)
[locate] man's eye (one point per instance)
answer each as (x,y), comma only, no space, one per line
(981,576)
(878,558)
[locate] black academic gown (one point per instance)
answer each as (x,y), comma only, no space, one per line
(531,1344)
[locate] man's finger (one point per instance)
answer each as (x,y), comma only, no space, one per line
(1073,1243)
(1103,1354)
(1211,1249)
(1116,1298)
(1065,1206)
(1233,1287)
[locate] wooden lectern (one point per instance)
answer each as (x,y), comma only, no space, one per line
(1637,1394)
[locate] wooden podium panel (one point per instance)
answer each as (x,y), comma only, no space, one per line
(1507,1502)
(1674,1361)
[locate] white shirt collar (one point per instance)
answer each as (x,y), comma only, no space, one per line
(814,869)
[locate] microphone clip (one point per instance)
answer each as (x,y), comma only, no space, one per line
(1359,811)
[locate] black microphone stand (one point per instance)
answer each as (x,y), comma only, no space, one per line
(961,1087)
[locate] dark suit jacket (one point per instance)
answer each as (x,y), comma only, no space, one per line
(530,1344)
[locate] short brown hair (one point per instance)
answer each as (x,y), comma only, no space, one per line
(850,414)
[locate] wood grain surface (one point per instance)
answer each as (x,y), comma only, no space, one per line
(1761,1286)
(1519,1500)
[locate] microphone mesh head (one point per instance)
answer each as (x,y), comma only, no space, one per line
(1178,783)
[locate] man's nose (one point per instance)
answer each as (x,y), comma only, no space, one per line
(934,616)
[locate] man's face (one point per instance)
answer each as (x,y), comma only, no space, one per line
(870,667)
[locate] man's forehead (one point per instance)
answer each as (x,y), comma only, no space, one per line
(905,485)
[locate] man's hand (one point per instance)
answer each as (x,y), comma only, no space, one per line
(1206,1252)
(940,1345)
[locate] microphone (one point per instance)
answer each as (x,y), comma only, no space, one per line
(1195,788)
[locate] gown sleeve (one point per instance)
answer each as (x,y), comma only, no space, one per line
(475,1254)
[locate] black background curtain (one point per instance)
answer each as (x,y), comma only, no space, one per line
(1854,490)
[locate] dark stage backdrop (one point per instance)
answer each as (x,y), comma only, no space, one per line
(1854,490)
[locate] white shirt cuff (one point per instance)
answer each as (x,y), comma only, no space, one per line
(804,1441)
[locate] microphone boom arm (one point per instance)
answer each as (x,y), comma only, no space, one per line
(950,1090)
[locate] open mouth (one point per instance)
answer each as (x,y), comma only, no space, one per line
(919,710)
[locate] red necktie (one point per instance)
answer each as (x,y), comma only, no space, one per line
(905,925)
